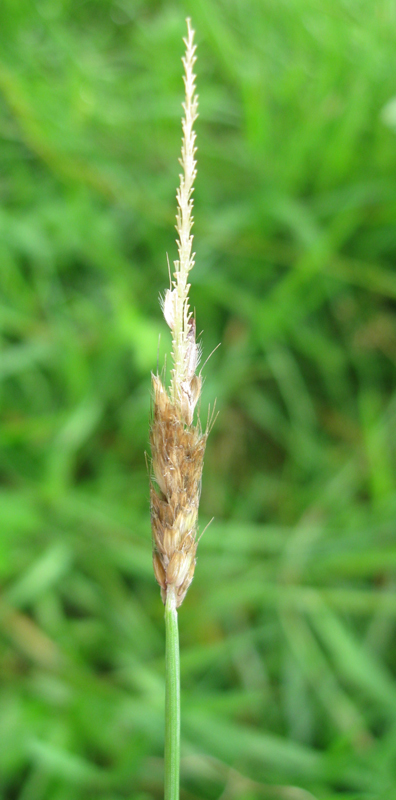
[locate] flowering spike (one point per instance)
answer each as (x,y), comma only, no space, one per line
(177,445)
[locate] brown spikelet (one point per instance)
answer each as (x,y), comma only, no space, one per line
(177,460)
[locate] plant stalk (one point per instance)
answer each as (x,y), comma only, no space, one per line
(172,699)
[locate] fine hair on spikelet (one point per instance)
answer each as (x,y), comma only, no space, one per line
(177,442)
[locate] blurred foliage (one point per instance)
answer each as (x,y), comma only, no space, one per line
(288,632)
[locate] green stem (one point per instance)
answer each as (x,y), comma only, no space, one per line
(172,700)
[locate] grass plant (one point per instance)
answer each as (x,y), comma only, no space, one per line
(288,631)
(177,443)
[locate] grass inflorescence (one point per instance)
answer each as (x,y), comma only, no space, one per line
(177,444)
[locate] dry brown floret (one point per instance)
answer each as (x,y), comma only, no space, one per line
(177,460)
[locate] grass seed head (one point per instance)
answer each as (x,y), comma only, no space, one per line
(177,443)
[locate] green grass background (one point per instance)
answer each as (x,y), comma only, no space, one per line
(288,631)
